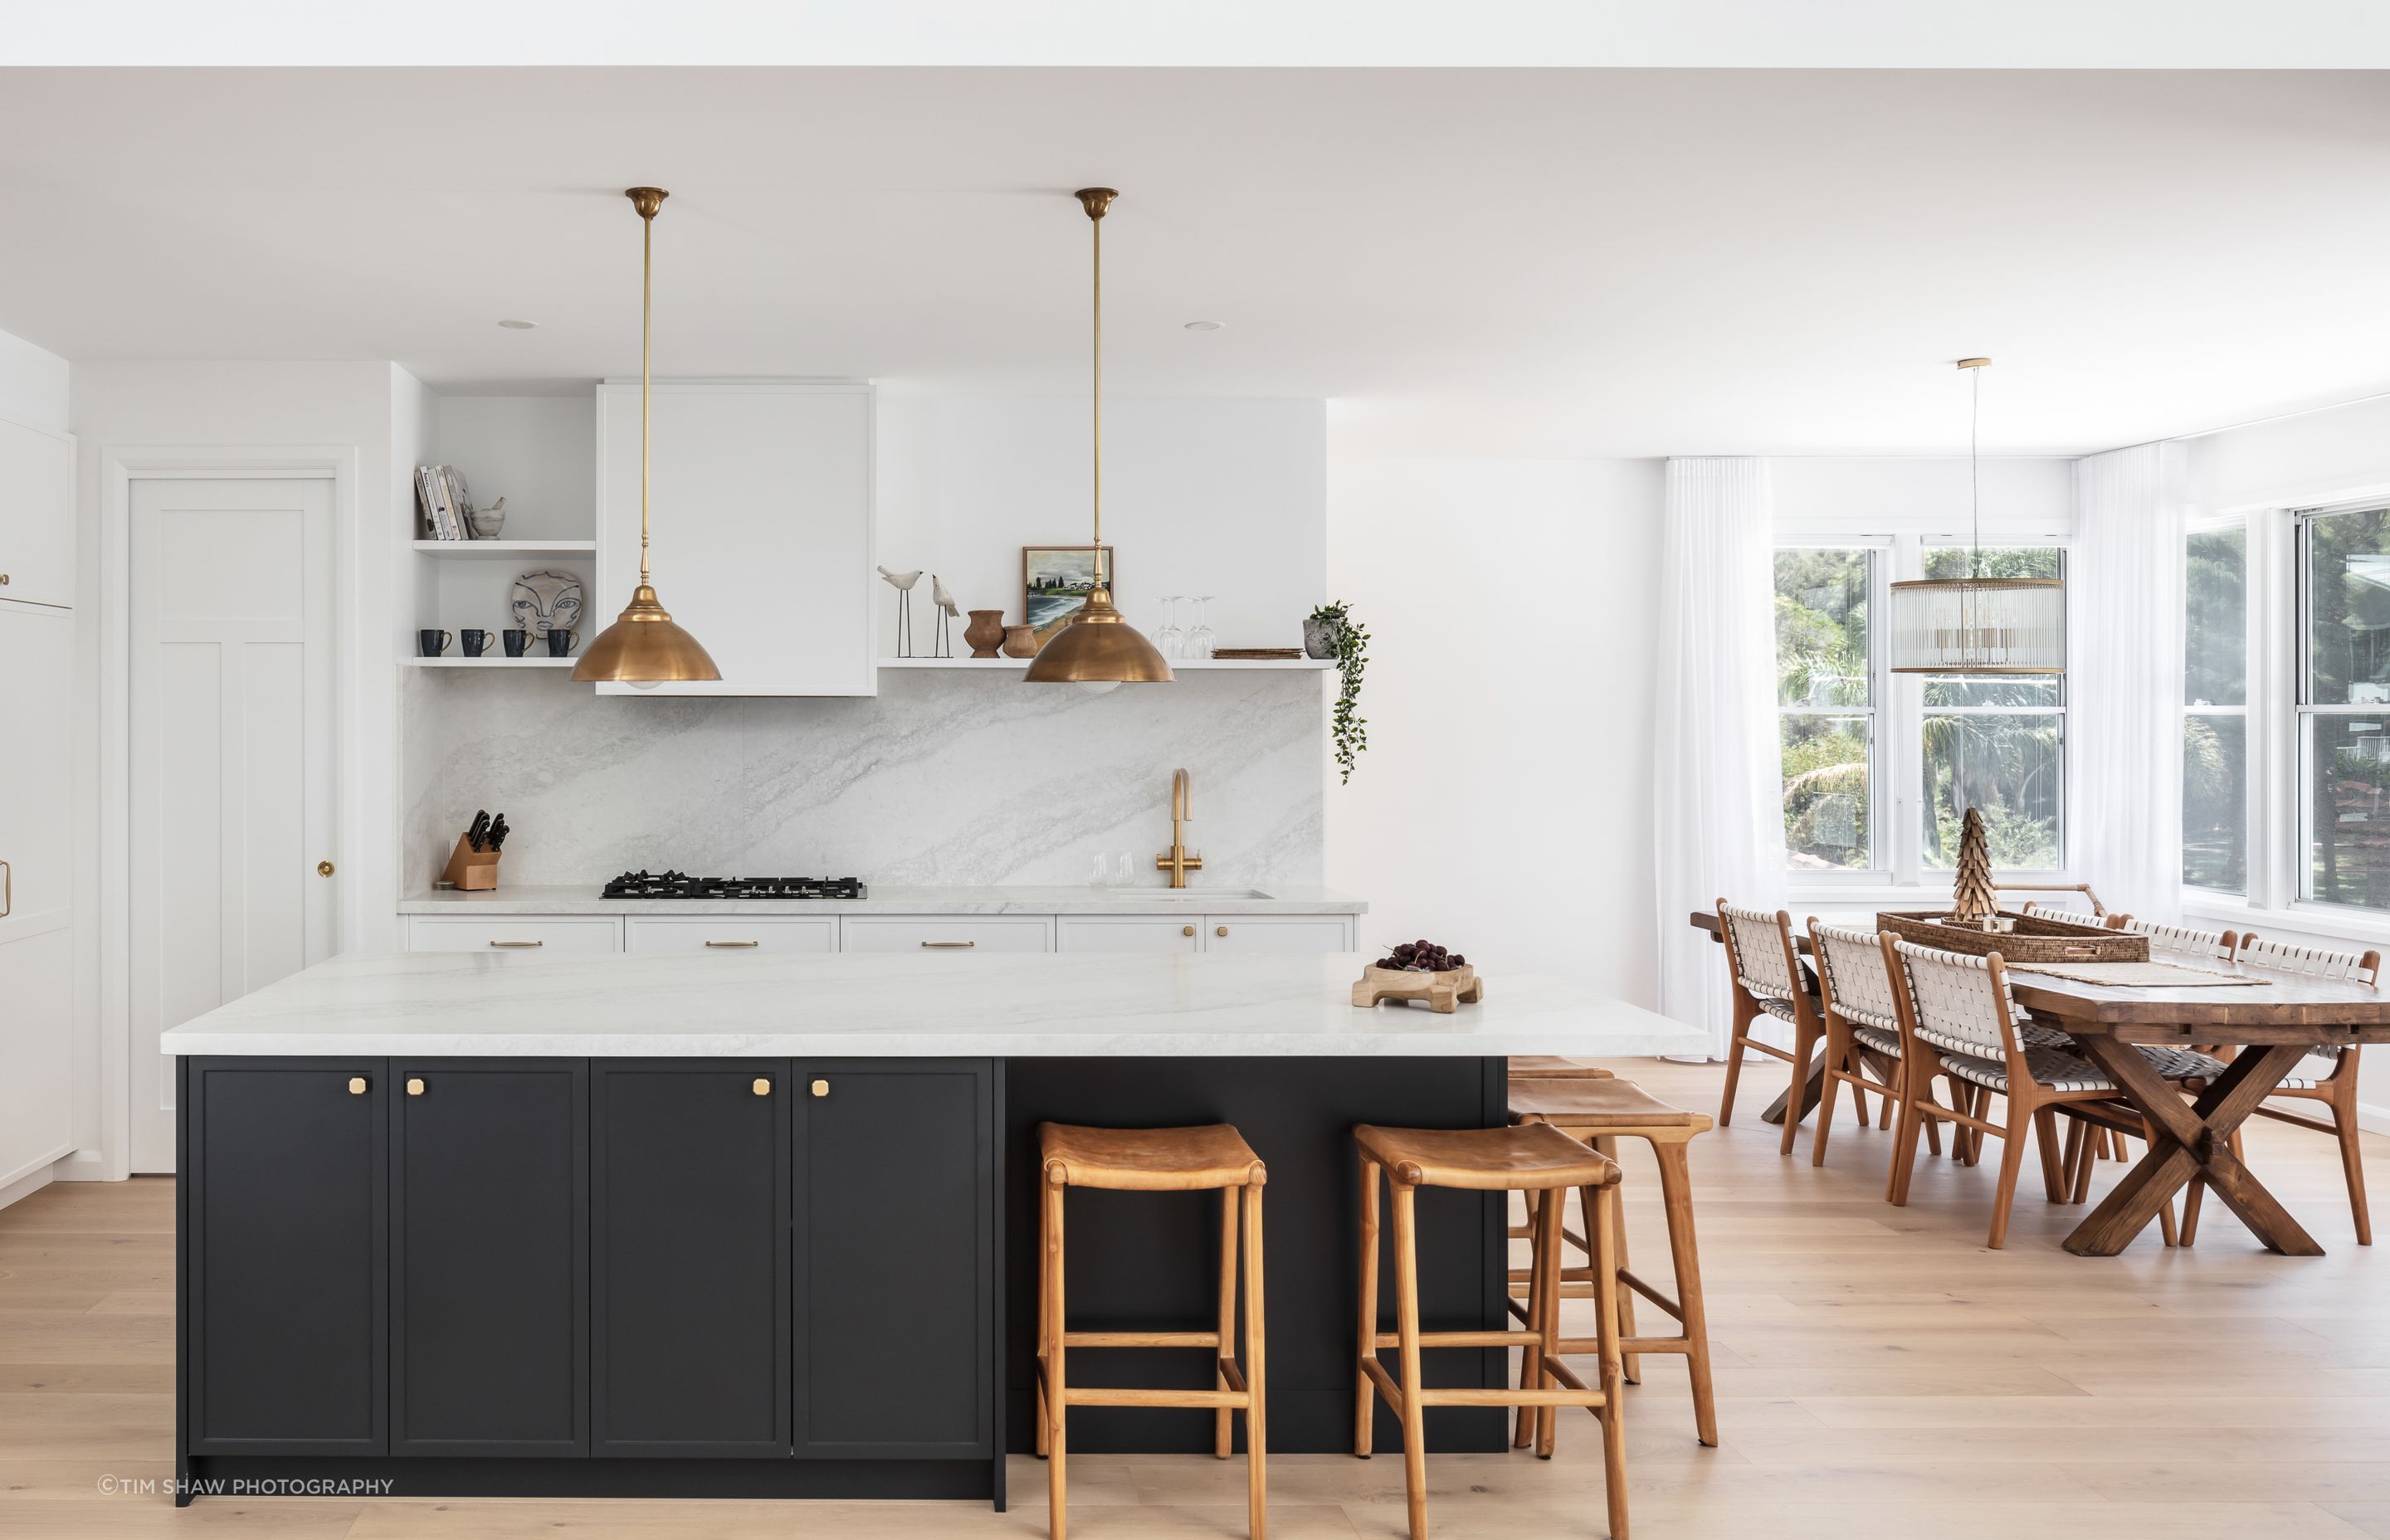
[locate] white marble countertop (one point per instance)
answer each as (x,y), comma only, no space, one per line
(900,1004)
(1285,898)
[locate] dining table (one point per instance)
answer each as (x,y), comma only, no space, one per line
(2274,1023)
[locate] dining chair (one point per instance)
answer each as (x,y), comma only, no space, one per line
(1957,1006)
(1862,1017)
(2327,1075)
(2180,944)
(1767,981)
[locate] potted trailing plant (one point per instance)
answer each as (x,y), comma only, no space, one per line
(1331,632)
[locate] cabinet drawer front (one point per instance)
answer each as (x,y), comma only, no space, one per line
(731,937)
(1278,934)
(528,935)
(933,933)
(1129,933)
(489,1299)
(282,1207)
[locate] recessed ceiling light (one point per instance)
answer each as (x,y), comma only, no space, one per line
(519,326)
(1205,325)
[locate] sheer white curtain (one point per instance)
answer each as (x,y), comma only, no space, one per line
(2125,676)
(1717,816)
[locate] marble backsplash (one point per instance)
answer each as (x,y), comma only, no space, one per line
(945,777)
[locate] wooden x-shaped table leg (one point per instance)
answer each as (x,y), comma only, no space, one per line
(2191,1137)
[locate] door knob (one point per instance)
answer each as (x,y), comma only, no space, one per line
(323,868)
(415,1087)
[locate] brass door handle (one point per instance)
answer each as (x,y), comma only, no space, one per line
(943,943)
(1187,929)
(821,1087)
(323,868)
(1221,931)
(518,944)
(762,1087)
(414,1087)
(356,1085)
(733,943)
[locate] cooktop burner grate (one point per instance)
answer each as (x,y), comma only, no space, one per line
(670,884)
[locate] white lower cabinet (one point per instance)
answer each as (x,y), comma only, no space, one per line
(1129,933)
(943,933)
(1278,934)
(712,933)
(515,933)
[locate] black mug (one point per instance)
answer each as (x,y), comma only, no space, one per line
(432,642)
(561,641)
(476,641)
(514,639)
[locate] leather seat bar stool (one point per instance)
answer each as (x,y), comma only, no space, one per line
(1155,1160)
(1553,1067)
(1601,1112)
(1538,1159)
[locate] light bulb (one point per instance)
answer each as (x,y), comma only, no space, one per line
(1099,686)
(645,684)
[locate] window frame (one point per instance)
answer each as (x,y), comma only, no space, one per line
(1878,872)
(1895,803)
(2300,714)
(2253,724)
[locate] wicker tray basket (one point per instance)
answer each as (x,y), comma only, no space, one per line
(2032,939)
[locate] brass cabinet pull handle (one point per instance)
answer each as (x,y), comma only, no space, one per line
(1221,931)
(356,1085)
(734,943)
(7,889)
(414,1087)
(945,944)
(1187,929)
(762,1087)
(518,944)
(821,1087)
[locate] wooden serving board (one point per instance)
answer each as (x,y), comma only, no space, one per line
(1442,991)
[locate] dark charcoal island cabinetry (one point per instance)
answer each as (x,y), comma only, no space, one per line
(557,1277)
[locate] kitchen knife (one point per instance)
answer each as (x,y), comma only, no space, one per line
(479,830)
(498,832)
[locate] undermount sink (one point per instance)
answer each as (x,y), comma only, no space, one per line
(1195,895)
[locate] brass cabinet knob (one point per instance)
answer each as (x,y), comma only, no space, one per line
(1221,931)
(414,1087)
(821,1087)
(356,1085)
(1187,929)
(762,1087)
(323,868)
(4,580)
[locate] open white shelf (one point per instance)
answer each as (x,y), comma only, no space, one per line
(543,661)
(506,547)
(998,665)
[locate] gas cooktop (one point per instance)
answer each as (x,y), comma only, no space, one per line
(647,884)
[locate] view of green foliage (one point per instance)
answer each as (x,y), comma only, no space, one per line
(1822,661)
(2214,745)
(2348,664)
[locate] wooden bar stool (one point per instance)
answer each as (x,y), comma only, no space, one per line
(1600,1112)
(1155,1160)
(1534,1159)
(1552,1067)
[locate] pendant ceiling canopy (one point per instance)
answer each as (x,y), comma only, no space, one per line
(1098,648)
(1978,625)
(645,645)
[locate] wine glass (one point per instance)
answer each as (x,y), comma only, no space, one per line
(1170,641)
(1199,641)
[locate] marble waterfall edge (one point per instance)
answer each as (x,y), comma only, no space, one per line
(943,778)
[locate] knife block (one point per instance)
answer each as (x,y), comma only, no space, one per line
(471,869)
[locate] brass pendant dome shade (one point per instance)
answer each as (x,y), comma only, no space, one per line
(1098,648)
(644,645)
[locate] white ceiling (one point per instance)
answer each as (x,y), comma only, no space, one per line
(1469,262)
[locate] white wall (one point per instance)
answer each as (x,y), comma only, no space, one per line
(33,385)
(1201,495)
(1503,805)
(539,452)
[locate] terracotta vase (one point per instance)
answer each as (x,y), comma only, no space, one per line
(1021,641)
(985,631)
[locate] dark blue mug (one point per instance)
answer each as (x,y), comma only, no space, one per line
(476,641)
(514,639)
(432,642)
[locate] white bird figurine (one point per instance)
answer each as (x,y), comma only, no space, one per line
(902,583)
(948,609)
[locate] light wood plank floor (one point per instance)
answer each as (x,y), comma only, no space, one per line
(1880,1373)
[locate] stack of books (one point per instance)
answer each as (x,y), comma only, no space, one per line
(447,512)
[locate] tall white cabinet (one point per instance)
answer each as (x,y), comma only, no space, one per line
(36,885)
(762,508)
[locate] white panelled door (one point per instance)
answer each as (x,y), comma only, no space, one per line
(231,752)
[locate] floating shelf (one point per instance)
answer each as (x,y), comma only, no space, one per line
(543,661)
(506,547)
(998,665)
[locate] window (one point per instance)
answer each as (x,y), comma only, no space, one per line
(1993,743)
(1825,695)
(2344,707)
(2215,711)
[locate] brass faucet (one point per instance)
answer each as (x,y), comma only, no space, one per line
(1178,860)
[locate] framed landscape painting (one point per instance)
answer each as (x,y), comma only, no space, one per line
(1055,580)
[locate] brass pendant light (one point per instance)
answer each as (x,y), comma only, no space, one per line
(1098,648)
(1976,624)
(644,647)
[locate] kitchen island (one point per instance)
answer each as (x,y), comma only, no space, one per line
(759,1224)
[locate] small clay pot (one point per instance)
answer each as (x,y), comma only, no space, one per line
(1320,638)
(1021,641)
(984,633)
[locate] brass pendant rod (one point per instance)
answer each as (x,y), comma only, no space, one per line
(647,349)
(1095,556)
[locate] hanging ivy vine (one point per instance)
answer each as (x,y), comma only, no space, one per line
(1349,728)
